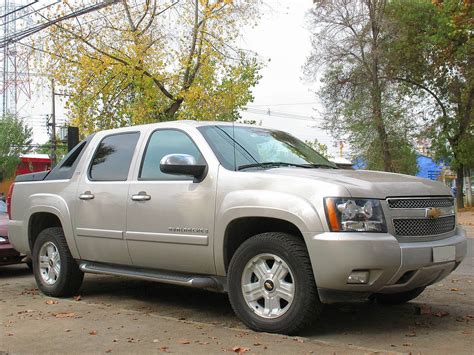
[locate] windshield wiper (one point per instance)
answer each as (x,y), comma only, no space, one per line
(273,164)
(320,166)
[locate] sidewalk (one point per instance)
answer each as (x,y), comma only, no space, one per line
(466,219)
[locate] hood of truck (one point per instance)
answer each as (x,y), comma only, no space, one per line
(369,184)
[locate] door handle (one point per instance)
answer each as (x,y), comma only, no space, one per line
(141,196)
(86,196)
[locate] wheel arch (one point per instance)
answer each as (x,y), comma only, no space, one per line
(47,216)
(242,228)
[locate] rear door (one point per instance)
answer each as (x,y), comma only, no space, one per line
(173,228)
(102,200)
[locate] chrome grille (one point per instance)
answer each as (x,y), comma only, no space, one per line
(420,203)
(419,227)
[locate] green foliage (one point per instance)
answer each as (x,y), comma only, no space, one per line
(321,148)
(15,140)
(432,51)
(363,106)
(349,116)
(46,148)
(150,62)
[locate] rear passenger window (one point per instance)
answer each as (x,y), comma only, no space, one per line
(164,142)
(112,159)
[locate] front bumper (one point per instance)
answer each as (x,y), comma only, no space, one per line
(393,267)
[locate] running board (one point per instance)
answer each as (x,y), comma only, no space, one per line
(213,283)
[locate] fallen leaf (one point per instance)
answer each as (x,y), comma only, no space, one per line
(423,309)
(51,302)
(164,349)
(441,314)
(64,315)
(10,334)
(240,349)
(155,340)
(67,330)
(78,298)
(184,341)
(466,332)
(108,351)
(407,344)
(455,289)
(411,335)
(93,332)
(257,344)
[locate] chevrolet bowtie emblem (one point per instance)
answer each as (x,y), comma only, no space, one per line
(433,213)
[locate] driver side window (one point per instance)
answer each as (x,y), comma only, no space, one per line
(163,142)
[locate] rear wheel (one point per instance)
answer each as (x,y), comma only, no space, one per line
(398,298)
(56,272)
(271,284)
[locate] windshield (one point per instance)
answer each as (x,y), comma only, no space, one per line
(260,148)
(3,207)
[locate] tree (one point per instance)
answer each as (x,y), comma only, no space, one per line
(15,140)
(47,148)
(431,50)
(157,61)
(362,105)
(321,148)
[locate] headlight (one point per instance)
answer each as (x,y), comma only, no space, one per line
(354,215)
(3,240)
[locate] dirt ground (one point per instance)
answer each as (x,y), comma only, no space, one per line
(118,315)
(466,217)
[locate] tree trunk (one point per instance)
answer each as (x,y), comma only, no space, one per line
(459,186)
(468,181)
(374,13)
(377,116)
(169,113)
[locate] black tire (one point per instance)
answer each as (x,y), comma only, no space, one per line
(398,298)
(305,305)
(70,276)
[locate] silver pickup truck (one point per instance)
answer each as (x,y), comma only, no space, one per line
(241,209)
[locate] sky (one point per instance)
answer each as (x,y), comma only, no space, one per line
(282,41)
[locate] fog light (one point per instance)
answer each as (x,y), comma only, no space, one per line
(358,277)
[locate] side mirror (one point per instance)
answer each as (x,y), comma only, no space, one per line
(182,164)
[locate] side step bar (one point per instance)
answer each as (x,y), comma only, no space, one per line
(213,283)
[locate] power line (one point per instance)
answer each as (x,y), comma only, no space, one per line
(32,30)
(269,112)
(17,9)
(286,104)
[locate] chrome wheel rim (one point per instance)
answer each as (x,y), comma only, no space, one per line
(268,286)
(49,263)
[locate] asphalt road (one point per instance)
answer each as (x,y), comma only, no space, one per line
(113,306)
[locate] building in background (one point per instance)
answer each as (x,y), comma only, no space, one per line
(30,163)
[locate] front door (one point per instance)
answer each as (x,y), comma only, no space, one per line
(102,201)
(170,218)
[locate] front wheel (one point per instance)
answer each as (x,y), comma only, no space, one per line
(398,298)
(271,284)
(56,272)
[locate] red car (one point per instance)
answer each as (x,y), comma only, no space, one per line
(8,255)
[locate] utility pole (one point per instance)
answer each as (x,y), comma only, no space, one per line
(53,125)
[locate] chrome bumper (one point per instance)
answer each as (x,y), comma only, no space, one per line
(393,267)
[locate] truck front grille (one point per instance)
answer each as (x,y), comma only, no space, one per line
(420,203)
(410,228)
